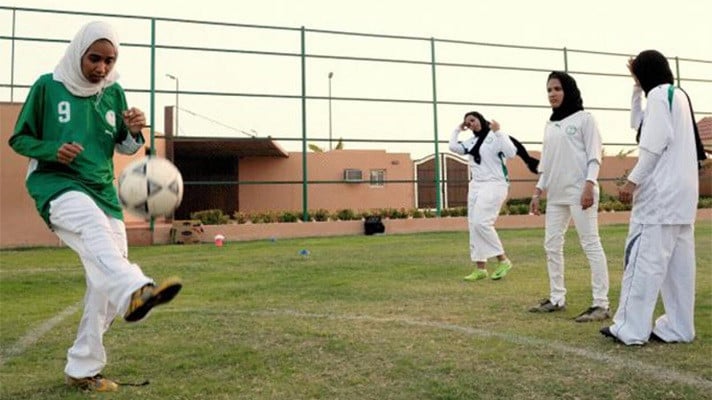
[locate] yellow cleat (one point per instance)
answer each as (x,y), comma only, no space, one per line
(96,383)
(149,296)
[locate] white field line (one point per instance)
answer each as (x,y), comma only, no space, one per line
(660,373)
(657,372)
(35,334)
(39,270)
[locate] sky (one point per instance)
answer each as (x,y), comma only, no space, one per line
(679,29)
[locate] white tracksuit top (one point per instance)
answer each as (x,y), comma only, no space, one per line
(670,193)
(492,167)
(569,146)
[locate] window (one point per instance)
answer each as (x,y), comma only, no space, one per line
(352,175)
(378,177)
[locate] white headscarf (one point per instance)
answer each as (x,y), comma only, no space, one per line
(69,69)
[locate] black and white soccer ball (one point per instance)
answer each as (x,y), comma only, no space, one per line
(150,187)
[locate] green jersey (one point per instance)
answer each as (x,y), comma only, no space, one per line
(52,116)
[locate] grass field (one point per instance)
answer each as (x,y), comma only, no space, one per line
(385,317)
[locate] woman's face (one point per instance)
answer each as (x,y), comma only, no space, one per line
(555,91)
(98,61)
(473,123)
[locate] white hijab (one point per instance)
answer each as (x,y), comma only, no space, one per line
(69,69)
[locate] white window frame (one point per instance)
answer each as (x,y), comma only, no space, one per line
(380,181)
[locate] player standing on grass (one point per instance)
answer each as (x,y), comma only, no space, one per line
(570,161)
(664,189)
(70,125)
(488,188)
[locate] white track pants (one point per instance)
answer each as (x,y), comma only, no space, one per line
(100,242)
(586,222)
(484,200)
(659,259)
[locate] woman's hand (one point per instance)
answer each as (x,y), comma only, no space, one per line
(494,126)
(135,120)
(625,194)
(68,152)
(534,204)
(630,69)
(587,195)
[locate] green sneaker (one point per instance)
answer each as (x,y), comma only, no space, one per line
(477,275)
(501,271)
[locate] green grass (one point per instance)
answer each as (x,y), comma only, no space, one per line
(385,317)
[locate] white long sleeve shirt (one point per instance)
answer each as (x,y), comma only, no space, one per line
(668,195)
(492,167)
(636,107)
(571,155)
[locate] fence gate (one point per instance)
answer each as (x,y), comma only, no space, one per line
(453,181)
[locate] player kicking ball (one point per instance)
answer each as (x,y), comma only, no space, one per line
(70,125)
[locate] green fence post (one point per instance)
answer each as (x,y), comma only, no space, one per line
(438,199)
(152,93)
(12,59)
(566,60)
(305,187)
(152,102)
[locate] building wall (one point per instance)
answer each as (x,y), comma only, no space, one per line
(327,166)
(20,224)
(207,197)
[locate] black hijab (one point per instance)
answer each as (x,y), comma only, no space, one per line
(572,96)
(480,135)
(531,162)
(652,69)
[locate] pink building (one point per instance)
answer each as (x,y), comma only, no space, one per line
(339,179)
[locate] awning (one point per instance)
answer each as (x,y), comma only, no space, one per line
(206,147)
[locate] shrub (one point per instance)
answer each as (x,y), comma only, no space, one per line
(240,217)
(346,215)
(394,213)
(444,212)
(287,216)
(705,202)
(269,216)
(257,218)
(518,201)
(321,215)
(429,213)
(263,217)
(382,212)
(519,209)
(415,213)
(613,205)
(458,212)
(301,216)
(210,217)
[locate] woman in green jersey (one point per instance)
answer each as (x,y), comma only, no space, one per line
(70,125)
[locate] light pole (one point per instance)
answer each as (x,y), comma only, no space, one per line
(175,78)
(331,75)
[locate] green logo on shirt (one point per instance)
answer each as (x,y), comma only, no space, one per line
(111,118)
(570,130)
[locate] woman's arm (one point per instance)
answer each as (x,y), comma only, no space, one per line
(454,145)
(27,138)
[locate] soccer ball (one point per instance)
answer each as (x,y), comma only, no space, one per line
(150,187)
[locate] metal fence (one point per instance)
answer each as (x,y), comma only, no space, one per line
(300,85)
